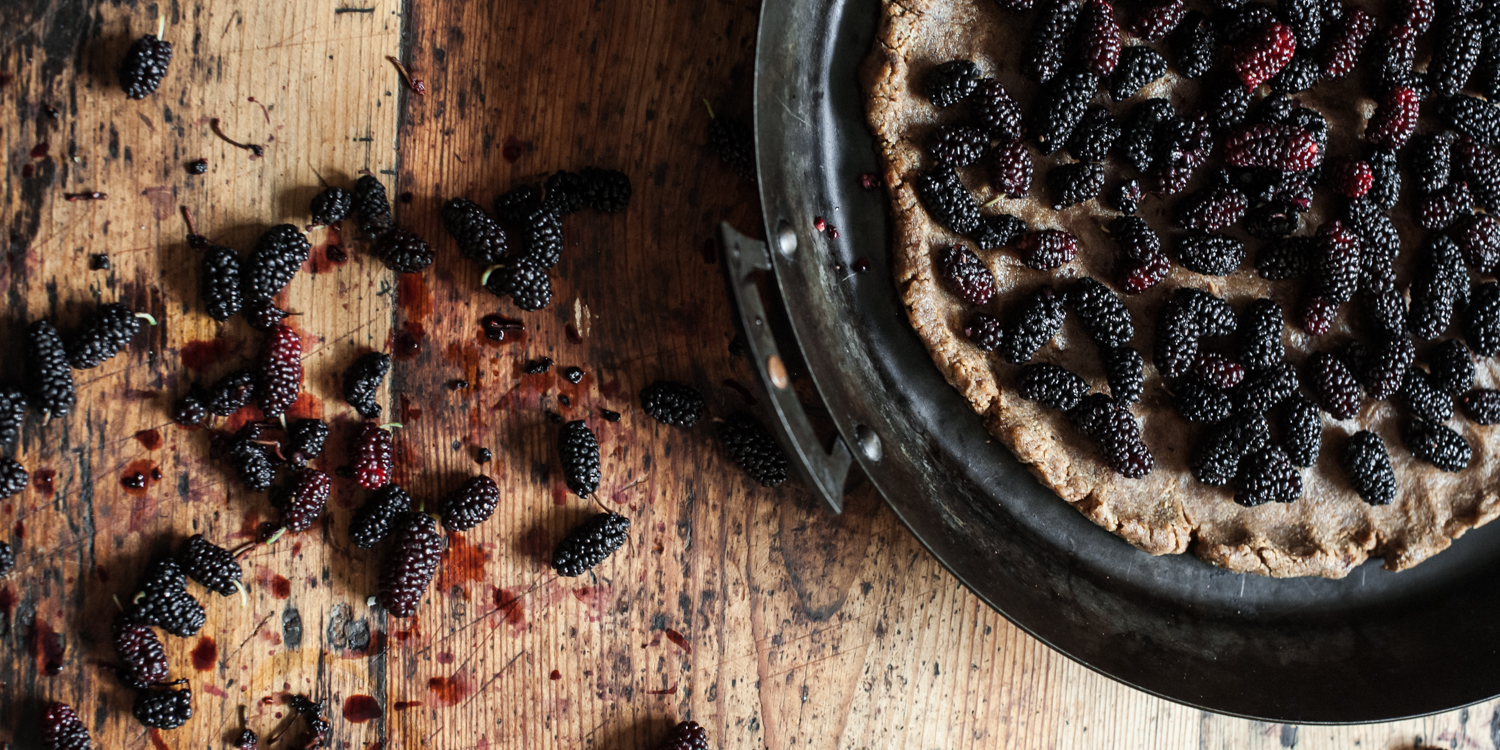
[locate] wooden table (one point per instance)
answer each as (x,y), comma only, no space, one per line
(752,611)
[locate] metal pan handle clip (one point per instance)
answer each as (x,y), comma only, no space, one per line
(823,471)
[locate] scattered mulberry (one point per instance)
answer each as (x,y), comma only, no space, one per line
(996,111)
(1350,178)
(1218,370)
(145,661)
(1275,220)
(479,237)
(1386,308)
(1200,401)
(591,543)
(1264,54)
(1395,49)
(280,371)
(1477,165)
(1124,370)
(1210,254)
(1299,74)
(402,251)
(106,334)
(1212,207)
(687,735)
(1258,335)
(1051,386)
(732,140)
(1346,40)
(1063,103)
(1481,322)
(1385,368)
(958,145)
(526,283)
(251,464)
(951,82)
(372,522)
(7,559)
(607,190)
(12,413)
(1137,141)
(1422,396)
(579,451)
(189,411)
(277,256)
(1452,366)
(47,370)
(1103,315)
(1264,389)
(1157,19)
(1479,239)
(1429,161)
(1301,431)
(672,403)
(1116,433)
(163,708)
(362,381)
(1436,287)
(62,730)
(230,393)
(1482,406)
(221,282)
(1286,147)
(1046,47)
(1337,275)
(1473,117)
(1394,119)
(1046,249)
(1385,190)
(1094,136)
(1459,40)
(513,206)
(1417,14)
(1441,209)
(13,477)
(985,331)
(1218,457)
(1267,476)
(373,456)
(1144,274)
(754,450)
(410,562)
(1010,168)
(211,566)
(144,66)
(330,206)
(1126,196)
(948,201)
(302,502)
(305,439)
(1037,320)
(1071,184)
(1139,66)
(1194,43)
(966,275)
(1335,386)
(471,504)
(1305,17)
(1368,467)
(998,230)
(371,206)
(163,601)
(1436,444)
(1098,35)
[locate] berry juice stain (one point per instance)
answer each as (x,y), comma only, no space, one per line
(359,709)
(496,329)
(512,149)
(556,675)
(149,439)
(403,705)
(44,480)
(408,343)
(571,331)
(93,195)
(201,355)
(205,654)
(138,476)
(281,588)
(27,170)
(450,691)
(39,151)
(49,646)
(158,742)
(19,530)
(677,638)
(414,297)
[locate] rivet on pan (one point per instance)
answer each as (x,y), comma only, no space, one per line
(868,442)
(777,372)
(786,238)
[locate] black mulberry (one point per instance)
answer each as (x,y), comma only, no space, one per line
(479,237)
(672,403)
(471,504)
(590,544)
(372,522)
(410,562)
(752,448)
(47,370)
(144,66)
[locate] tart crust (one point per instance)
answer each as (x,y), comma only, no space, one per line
(1329,530)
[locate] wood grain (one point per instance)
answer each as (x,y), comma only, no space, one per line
(797,629)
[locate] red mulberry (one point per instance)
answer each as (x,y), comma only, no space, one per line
(280,371)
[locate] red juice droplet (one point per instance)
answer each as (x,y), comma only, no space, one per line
(359,709)
(39,151)
(149,439)
(205,654)
(43,480)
